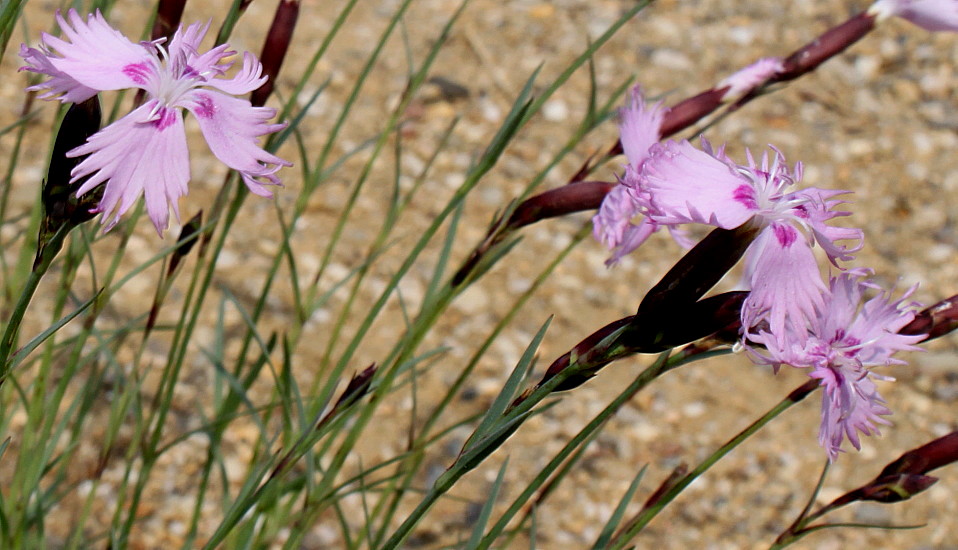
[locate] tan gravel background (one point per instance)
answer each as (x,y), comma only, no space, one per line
(880,120)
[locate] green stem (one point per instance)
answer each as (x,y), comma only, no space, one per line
(509,422)
(653,509)
(48,251)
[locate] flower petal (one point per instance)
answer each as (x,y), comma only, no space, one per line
(60,85)
(931,15)
(186,42)
(816,212)
(614,216)
(850,404)
(231,127)
(249,78)
(746,79)
(96,55)
(137,154)
(686,185)
(639,126)
(785,280)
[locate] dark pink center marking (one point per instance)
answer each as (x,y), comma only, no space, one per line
(785,234)
(745,195)
(166,119)
(205,107)
(138,72)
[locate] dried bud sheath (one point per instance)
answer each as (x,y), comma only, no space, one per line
(575,197)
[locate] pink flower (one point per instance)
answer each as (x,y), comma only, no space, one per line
(840,344)
(612,226)
(745,80)
(931,15)
(680,184)
(145,152)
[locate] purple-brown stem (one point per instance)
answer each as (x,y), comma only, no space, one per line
(357,387)
(562,201)
(184,244)
(899,480)
(274,49)
(833,42)
(554,203)
(588,355)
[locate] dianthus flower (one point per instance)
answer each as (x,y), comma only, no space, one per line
(145,152)
(931,15)
(680,184)
(639,126)
(840,345)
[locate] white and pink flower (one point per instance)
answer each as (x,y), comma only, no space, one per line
(680,184)
(145,152)
(841,343)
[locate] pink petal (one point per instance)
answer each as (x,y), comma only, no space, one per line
(686,185)
(60,85)
(614,217)
(634,236)
(184,50)
(850,404)
(232,127)
(878,324)
(186,42)
(785,280)
(249,78)
(137,154)
(817,212)
(96,55)
(931,15)
(745,80)
(639,126)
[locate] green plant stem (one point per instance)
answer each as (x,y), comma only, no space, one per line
(653,509)
(661,365)
(48,252)
(797,529)
(507,424)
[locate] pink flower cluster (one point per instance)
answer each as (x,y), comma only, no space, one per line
(145,152)
(839,344)
(790,312)
(791,315)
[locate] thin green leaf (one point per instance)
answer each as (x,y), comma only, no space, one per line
(486,511)
(616,518)
(510,389)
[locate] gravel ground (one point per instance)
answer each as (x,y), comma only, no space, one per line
(878,120)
